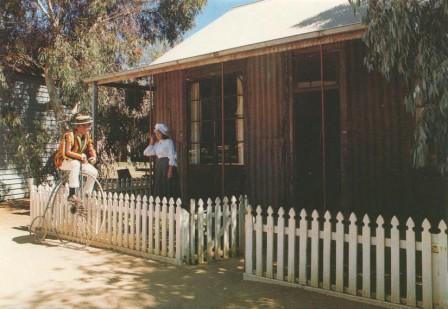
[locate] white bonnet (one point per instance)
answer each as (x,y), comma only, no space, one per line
(162,128)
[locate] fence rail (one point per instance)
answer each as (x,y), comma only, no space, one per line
(342,256)
(154,227)
(137,186)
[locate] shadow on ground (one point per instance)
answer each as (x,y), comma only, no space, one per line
(55,276)
(129,282)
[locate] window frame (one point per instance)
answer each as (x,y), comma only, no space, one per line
(219,116)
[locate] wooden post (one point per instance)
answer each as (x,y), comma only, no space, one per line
(94,107)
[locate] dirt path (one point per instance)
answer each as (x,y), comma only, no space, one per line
(51,276)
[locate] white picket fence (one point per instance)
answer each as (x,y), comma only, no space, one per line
(155,228)
(378,262)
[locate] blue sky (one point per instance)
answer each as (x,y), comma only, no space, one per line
(212,10)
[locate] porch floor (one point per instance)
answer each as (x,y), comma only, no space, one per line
(50,276)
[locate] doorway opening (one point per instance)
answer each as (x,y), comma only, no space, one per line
(317,144)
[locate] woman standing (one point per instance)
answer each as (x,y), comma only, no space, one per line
(165,170)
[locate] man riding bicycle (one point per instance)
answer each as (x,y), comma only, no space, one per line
(76,148)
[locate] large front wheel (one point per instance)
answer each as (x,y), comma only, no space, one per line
(89,215)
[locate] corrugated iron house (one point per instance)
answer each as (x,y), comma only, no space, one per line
(273,100)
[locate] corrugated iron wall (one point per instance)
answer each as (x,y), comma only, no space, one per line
(379,138)
(267,133)
(376,155)
(170,109)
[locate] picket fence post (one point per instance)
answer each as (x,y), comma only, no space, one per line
(259,242)
(163,219)
(280,244)
(138,218)
(326,267)
(339,253)
(269,243)
(410,264)
(151,225)
(186,253)
(209,220)
(171,228)
(380,260)
(201,232)
(315,249)
(352,255)
(241,224)
(144,224)
(132,211)
(249,229)
(366,245)
(233,227)
(225,223)
(179,232)
(395,261)
(217,228)
(120,219)
(441,266)
(157,226)
(291,245)
(192,230)
(426,265)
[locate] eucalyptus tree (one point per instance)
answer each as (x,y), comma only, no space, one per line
(68,40)
(409,39)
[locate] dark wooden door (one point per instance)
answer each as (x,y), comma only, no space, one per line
(317,158)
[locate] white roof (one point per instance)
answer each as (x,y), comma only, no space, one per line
(263,21)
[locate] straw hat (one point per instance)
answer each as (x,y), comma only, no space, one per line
(81,119)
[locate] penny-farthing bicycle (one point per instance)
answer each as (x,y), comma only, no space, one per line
(80,222)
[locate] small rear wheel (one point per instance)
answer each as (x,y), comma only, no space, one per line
(39,229)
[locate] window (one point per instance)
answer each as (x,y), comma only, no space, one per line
(307,70)
(210,116)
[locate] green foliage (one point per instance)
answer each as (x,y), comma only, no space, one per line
(68,41)
(123,125)
(409,39)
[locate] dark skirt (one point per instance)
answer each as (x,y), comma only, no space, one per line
(164,187)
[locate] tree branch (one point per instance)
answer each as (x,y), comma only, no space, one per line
(40,5)
(50,7)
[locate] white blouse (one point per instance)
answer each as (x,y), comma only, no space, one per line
(162,149)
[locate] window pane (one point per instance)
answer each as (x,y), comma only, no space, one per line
(230,85)
(308,68)
(240,153)
(234,154)
(195,110)
(207,154)
(207,131)
(230,107)
(195,132)
(194,91)
(240,107)
(206,88)
(195,157)
(206,124)
(208,109)
(229,132)
(239,127)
